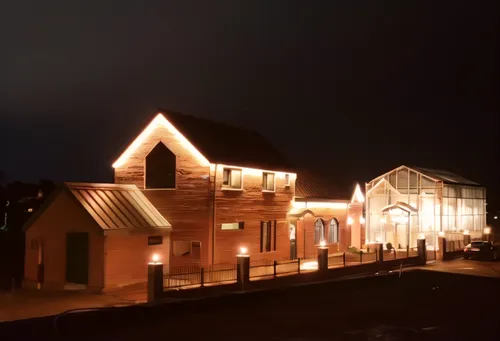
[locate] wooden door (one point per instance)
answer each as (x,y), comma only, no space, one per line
(77,257)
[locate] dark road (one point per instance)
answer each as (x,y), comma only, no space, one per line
(420,305)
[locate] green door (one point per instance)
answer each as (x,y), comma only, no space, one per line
(77,257)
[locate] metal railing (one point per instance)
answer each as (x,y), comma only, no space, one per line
(186,276)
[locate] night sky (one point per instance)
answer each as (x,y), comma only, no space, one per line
(353,88)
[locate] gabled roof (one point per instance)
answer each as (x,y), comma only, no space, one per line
(434,174)
(219,143)
(313,185)
(445,176)
(112,206)
(116,206)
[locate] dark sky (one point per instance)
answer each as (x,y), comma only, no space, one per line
(354,88)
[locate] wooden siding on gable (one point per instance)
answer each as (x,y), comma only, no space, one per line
(187,207)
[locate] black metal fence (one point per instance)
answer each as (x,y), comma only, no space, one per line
(186,276)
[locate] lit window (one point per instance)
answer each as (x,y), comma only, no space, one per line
(232,226)
(232,178)
(319,231)
(268,181)
(333,231)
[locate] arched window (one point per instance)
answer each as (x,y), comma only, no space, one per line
(319,231)
(160,167)
(333,231)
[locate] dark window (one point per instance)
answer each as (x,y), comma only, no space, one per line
(287,180)
(319,231)
(160,168)
(231,178)
(267,236)
(268,181)
(155,240)
(333,233)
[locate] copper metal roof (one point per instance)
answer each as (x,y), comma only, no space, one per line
(116,206)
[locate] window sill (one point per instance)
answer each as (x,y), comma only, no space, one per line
(232,189)
(160,189)
(268,191)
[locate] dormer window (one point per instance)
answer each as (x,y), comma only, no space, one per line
(232,178)
(160,168)
(268,183)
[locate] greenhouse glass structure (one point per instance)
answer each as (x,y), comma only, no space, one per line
(409,202)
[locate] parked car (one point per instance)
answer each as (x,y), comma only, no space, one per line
(481,250)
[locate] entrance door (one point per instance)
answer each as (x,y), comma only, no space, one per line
(77,257)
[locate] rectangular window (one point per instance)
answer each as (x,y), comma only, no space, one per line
(155,240)
(268,181)
(287,180)
(267,236)
(231,178)
(232,226)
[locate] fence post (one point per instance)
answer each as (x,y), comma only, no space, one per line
(422,251)
(360,257)
(343,258)
(274,268)
(298,266)
(394,250)
(407,251)
(322,258)
(243,270)
(202,277)
(380,252)
(155,281)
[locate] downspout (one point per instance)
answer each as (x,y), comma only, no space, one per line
(213,214)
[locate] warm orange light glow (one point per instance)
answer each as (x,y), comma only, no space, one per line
(257,172)
(350,220)
(155,258)
(487,230)
(362,220)
(308,204)
(358,195)
(466,232)
(322,243)
(421,236)
(159,121)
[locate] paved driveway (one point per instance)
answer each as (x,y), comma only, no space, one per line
(467,267)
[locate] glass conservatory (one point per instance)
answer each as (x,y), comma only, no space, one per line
(408,201)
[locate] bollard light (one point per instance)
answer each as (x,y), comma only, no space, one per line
(421,236)
(322,243)
(441,234)
(466,232)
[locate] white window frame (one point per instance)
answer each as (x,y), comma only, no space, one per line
(232,226)
(228,186)
(264,181)
(287,180)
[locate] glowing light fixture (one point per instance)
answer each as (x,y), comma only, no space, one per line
(421,236)
(307,204)
(362,220)
(487,230)
(441,234)
(159,121)
(243,250)
(358,195)
(466,232)
(322,243)
(155,258)
(350,220)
